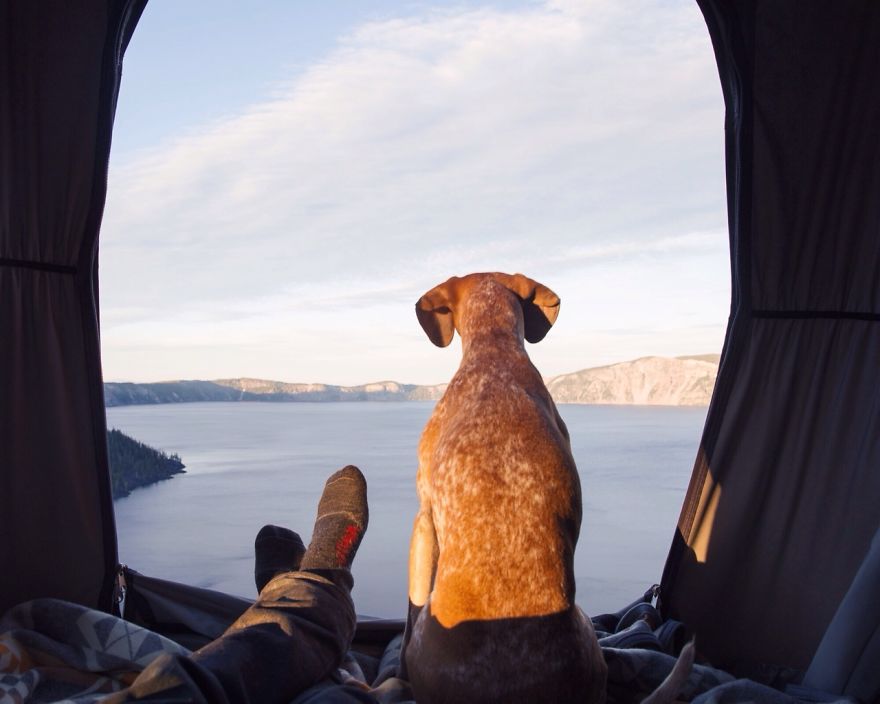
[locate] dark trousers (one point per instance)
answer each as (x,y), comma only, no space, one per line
(295,635)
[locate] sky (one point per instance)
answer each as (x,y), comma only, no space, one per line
(287,178)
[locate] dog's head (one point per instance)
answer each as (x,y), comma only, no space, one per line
(440,310)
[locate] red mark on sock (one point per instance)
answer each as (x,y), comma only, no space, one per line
(345,543)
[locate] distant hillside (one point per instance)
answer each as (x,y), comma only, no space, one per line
(127,394)
(650,381)
(260,389)
(133,464)
(679,381)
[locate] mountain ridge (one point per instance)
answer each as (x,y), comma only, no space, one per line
(677,381)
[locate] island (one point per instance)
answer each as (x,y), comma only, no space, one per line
(134,464)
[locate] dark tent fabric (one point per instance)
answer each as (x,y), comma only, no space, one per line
(783,501)
(60,66)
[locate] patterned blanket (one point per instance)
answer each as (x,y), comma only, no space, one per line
(55,651)
(52,650)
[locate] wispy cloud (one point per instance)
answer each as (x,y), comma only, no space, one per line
(545,140)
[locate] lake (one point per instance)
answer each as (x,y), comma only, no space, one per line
(249,464)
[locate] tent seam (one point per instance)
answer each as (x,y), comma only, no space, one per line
(807,314)
(38,266)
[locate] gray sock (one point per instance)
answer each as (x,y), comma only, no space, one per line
(341,523)
(276,550)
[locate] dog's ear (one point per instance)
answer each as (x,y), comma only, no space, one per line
(540,305)
(434,311)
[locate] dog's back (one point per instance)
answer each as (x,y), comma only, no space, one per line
(500,514)
(505,491)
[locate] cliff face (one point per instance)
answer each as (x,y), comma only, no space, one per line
(679,381)
(261,390)
(650,381)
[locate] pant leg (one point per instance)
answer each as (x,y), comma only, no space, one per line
(293,636)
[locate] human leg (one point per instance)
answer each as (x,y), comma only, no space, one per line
(297,631)
(301,625)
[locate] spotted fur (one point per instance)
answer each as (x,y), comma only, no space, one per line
(500,511)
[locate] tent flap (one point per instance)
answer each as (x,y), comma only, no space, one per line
(781,508)
(61,66)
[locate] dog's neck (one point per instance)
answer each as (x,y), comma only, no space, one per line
(490,320)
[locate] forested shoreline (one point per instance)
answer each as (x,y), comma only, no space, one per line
(134,464)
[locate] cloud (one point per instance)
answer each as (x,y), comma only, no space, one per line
(548,140)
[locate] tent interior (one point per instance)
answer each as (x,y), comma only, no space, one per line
(775,561)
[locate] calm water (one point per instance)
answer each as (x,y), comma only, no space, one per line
(254,463)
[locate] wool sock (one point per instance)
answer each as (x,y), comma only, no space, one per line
(276,550)
(341,522)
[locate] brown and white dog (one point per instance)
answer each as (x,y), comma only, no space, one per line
(491,568)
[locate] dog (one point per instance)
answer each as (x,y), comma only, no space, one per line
(492,614)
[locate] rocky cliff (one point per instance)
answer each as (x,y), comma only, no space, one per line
(649,381)
(260,389)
